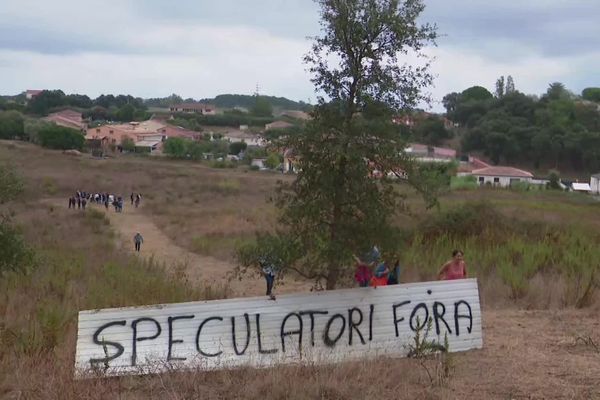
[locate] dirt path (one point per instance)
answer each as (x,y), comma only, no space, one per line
(198,269)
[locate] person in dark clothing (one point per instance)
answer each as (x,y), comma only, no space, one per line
(83,203)
(70,202)
(78,202)
(106,203)
(132,198)
(138,240)
(268,270)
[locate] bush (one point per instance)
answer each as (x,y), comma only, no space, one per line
(15,255)
(468,182)
(60,138)
(11,125)
(11,184)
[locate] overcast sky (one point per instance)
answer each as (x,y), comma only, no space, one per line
(201,48)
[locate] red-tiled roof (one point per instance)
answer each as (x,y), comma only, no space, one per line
(502,171)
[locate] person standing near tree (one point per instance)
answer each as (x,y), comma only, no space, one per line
(455,268)
(138,240)
(269,271)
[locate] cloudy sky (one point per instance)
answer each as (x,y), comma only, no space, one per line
(201,48)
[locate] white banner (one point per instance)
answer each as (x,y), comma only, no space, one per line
(318,327)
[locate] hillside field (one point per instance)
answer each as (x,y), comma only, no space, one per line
(535,254)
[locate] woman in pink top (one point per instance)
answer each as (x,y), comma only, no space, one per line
(455,268)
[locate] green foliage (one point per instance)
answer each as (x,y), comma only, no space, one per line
(128,144)
(15,255)
(556,129)
(228,119)
(237,147)
(273,160)
(11,184)
(431,131)
(591,94)
(335,207)
(59,137)
(246,101)
(554,181)
(175,147)
(11,125)
(468,182)
(261,107)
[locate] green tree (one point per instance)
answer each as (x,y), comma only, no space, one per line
(261,107)
(237,147)
(175,147)
(127,144)
(11,125)
(591,94)
(335,208)
(272,161)
(431,131)
(126,113)
(11,185)
(61,138)
(500,87)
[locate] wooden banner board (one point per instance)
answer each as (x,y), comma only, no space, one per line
(317,327)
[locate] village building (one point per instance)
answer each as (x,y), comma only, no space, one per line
(301,115)
(499,176)
(249,138)
(194,108)
(31,93)
(68,118)
(278,125)
(424,153)
(580,187)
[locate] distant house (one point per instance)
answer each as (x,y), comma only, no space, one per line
(424,153)
(500,176)
(31,93)
(595,184)
(191,108)
(113,135)
(250,139)
(278,125)
(580,187)
(68,118)
(147,146)
(301,115)
(177,131)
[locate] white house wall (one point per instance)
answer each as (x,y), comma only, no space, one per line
(320,327)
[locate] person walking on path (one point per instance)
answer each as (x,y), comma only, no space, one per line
(131,198)
(455,268)
(138,240)
(268,270)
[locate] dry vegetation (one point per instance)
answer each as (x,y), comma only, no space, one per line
(550,353)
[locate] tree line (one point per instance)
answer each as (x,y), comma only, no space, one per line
(556,130)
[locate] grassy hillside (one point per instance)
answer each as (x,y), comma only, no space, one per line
(530,250)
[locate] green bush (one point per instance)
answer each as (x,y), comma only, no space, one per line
(61,138)
(11,125)
(468,182)
(15,255)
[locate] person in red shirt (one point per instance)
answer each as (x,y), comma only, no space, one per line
(455,268)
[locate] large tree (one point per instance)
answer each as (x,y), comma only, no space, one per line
(336,207)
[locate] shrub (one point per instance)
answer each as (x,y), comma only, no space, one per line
(61,138)
(468,182)
(11,125)
(15,255)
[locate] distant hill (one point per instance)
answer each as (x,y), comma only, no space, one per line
(247,101)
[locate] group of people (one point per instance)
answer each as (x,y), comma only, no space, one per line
(371,271)
(81,199)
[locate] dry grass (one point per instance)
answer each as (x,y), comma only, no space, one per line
(526,354)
